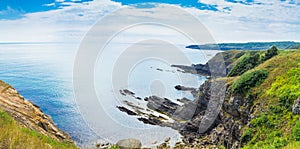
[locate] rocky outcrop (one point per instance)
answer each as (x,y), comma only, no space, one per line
(215,66)
(162,105)
(296,107)
(129,112)
(214,118)
(29,114)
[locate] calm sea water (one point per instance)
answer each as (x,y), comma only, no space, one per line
(42,73)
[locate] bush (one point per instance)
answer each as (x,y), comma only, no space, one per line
(259,121)
(296,131)
(273,51)
(247,63)
(248,81)
(286,87)
(279,142)
(247,135)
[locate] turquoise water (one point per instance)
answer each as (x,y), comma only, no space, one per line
(42,73)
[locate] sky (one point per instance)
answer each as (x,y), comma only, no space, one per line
(226,20)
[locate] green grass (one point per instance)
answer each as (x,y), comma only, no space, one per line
(248,81)
(274,125)
(248,62)
(13,136)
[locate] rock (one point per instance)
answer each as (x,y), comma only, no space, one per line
(159,69)
(167,139)
(183,88)
(127,92)
(150,120)
(28,114)
(219,66)
(296,107)
(162,105)
(123,109)
(129,144)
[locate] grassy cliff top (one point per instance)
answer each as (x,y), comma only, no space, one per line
(13,135)
(24,125)
(272,85)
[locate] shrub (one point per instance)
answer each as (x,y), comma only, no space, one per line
(259,121)
(248,81)
(245,64)
(287,87)
(273,51)
(279,142)
(296,131)
(247,135)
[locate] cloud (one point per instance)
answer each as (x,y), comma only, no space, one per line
(261,21)
(235,21)
(49,5)
(59,1)
(67,24)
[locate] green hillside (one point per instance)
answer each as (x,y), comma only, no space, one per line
(15,136)
(273,86)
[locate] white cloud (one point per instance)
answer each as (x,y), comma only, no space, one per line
(59,1)
(269,21)
(50,4)
(68,24)
(258,22)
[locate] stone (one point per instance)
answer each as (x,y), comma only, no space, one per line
(129,144)
(129,112)
(296,107)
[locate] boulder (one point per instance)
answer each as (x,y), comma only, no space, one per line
(129,144)
(296,107)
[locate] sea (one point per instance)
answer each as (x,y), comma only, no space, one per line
(43,74)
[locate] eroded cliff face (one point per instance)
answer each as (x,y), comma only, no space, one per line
(29,114)
(214,118)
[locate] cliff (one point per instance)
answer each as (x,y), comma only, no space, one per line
(258,107)
(29,115)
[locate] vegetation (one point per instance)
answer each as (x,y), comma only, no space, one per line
(273,51)
(274,125)
(248,81)
(247,46)
(13,136)
(296,131)
(248,62)
(287,87)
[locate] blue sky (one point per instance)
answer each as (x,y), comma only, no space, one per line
(15,9)
(227,20)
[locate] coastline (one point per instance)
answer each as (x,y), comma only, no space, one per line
(29,115)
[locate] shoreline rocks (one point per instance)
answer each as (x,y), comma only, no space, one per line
(28,114)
